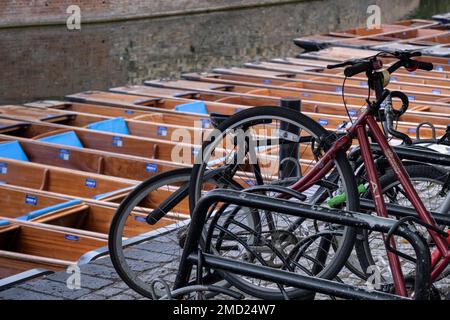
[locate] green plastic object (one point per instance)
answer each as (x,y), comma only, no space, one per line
(340,199)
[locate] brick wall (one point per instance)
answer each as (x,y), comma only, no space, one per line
(20,12)
(49,62)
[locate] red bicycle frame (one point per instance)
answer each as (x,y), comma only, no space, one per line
(440,256)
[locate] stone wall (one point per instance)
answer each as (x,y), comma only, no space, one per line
(50,61)
(39,12)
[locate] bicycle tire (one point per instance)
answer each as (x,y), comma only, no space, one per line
(341,163)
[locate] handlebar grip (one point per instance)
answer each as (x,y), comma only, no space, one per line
(427,66)
(356,68)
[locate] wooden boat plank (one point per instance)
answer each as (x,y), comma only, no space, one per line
(43,177)
(14,263)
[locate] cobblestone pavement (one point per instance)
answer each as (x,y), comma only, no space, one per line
(158,257)
(99,280)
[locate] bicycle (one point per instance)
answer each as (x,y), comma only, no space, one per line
(332,159)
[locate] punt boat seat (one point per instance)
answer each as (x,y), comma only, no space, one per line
(192,107)
(40,212)
(115,125)
(106,195)
(11,125)
(13,150)
(68,138)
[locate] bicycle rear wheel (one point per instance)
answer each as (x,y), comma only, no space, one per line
(165,197)
(429,182)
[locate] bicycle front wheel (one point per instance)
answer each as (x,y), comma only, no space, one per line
(264,150)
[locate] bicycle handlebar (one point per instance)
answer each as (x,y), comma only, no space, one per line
(372,66)
(356,66)
(427,66)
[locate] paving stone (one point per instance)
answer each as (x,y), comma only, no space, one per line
(92,297)
(133,293)
(57,289)
(122,297)
(58,277)
(94,282)
(103,262)
(23,294)
(109,291)
(161,247)
(87,281)
(99,271)
(121,285)
(148,256)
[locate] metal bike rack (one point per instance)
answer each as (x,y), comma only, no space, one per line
(411,153)
(192,251)
(401,212)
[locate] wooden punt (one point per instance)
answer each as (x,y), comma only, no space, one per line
(64,181)
(50,232)
(324,57)
(433,98)
(438,78)
(213,104)
(272,97)
(338,54)
(120,109)
(90,160)
(441,69)
(185,151)
(154,100)
(56,152)
(413,31)
(331,84)
(437,114)
(331,122)
(327,120)
(269,73)
(76,185)
(22,204)
(432,90)
(24,247)
(97,140)
(148,129)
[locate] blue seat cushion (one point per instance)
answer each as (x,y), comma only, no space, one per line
(4,223)
(115,125)
(67,139)
(37,213)
(193,107)
(12,150)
